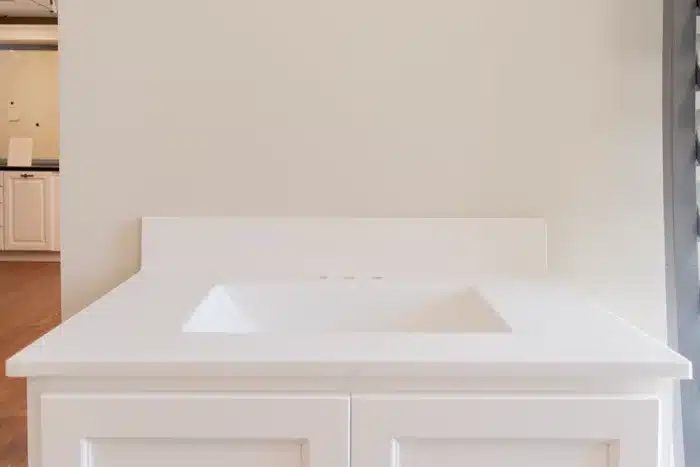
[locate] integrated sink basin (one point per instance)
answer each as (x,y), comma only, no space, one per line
(344,306)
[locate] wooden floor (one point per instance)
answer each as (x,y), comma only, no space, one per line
(30,305)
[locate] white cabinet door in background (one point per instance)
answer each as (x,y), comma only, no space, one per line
(194,430)
(27,217)
(416,431)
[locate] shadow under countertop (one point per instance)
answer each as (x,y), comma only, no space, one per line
(38,165)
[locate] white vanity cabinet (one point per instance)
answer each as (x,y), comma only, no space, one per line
(30,209)
(525,431)
(350,359)
(185,429)
(188,430)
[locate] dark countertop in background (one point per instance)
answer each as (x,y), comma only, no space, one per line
(38,165)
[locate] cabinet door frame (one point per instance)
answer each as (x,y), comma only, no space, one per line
(11,244)
(70,422)
(55,212)
(630,424)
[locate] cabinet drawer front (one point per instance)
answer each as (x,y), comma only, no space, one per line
(504,432)
(216,430)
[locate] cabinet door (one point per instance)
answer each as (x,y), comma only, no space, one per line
(193,430)
(27,215)
(504,432)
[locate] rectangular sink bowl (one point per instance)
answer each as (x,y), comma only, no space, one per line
(343,306)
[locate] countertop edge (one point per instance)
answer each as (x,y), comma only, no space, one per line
(160,348)
(302,369)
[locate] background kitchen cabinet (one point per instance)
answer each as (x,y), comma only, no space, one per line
(55,211)
(2,213)
(27,208)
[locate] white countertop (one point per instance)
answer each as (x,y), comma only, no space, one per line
(136,330)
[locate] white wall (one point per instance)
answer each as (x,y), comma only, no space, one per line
(368,108)
(30,80)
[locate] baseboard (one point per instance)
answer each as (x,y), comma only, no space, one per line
(29,256)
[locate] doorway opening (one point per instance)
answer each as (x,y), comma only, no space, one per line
(30,295)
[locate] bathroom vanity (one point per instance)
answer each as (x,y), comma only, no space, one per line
(345,342)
